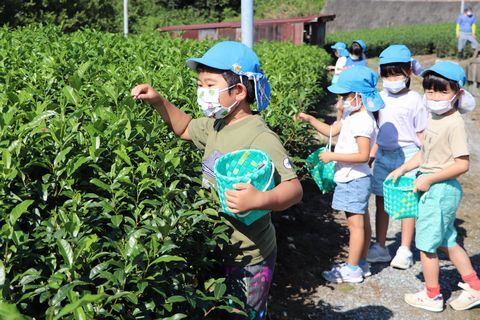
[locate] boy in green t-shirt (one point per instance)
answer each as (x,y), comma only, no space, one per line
(229,80)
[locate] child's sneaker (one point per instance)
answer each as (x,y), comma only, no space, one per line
(469,298)
(365,269)
(343,273)
(377,253)
(403,259)
(421,300)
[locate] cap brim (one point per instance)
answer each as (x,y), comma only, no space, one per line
(194,62)
(338,89)
(389,60)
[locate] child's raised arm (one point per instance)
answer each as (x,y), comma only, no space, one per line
(321,127)
(175,118)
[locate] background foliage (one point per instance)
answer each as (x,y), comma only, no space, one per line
(144,15)
(101,211)
(421,39)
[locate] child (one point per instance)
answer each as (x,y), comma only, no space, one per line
(229,80)
(357,54)
(401,124)
(444,157)
(352,173)
(341,53)
(465,30)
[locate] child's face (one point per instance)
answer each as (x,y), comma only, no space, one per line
(395,78)
(444,95)
(207,79)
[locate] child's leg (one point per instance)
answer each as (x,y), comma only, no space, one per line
(381,221)
(367,236)
(356,244)
(462,262)
(431,269)
(408,231)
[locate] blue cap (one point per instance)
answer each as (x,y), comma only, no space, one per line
(240,59)
(394,54)
(361,80)
(339,45)
(449,70)
(361,43)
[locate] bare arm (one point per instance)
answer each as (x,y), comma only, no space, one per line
(246,197)
(459,167)
(321,127)
(362,155)
(175,118)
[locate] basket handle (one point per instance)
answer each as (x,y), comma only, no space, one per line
(242,215)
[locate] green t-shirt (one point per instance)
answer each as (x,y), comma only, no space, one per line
(250,244)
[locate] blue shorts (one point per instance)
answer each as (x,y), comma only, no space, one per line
(388,160)
(352,196)
(437,208)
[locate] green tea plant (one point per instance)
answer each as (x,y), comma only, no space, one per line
(102,214)
(421,39)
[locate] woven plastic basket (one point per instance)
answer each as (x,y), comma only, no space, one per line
(399,199)
(321,173)
(244,166)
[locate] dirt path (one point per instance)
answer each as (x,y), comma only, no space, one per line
(311,236)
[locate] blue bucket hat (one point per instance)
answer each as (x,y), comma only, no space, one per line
(449,70)
(341,48)
(241,60)
(361,43)
(394,54)
(361,80)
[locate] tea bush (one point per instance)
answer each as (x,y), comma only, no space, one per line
(421,39)
(102,213)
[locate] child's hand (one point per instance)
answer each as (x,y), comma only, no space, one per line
(326,156)
(302,117)
(395,174)
(146,93)
(422,183)
(245,197)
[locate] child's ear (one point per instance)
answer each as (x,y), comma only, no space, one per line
(461,92)
(241,92)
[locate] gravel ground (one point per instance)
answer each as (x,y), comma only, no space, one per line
(381,295)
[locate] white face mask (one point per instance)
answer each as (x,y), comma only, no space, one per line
(394,86)
(209,102)
(439,107)
(347,104)
(354,57)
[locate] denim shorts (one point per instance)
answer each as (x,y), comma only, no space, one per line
(388,160)
(437,209)
(352,196)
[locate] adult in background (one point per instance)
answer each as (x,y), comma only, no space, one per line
(465,30)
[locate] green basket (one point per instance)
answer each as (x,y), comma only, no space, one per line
(244,166)
(321,173)
(399,199)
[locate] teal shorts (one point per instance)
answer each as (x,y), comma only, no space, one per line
(437,208)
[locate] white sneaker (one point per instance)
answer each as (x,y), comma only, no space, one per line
(343,273)
(469,298)
(403,259)
(422,301)
(365,269)
(377,253)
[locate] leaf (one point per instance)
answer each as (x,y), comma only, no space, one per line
(220,289)
(66,251)
(19,209)
(71,95)
(168,258)
(61,156)
(9,312)
(2,273)
(7,159)
(176,316)
(64,291)
(101,185)
(71,307)
(175,299)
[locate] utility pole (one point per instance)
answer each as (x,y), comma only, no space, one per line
(125,18)
(247,23)
(462,6)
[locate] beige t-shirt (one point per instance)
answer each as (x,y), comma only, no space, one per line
(250,244)
(445,140)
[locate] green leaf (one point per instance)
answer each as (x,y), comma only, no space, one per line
(71,95)
(6,159)
(19,209)
(175,299)
(168,258)
(101,185)
(2,273)
(220,289)
(176,316)
(71,307)
(9,312)
(61,156)
(66,251)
